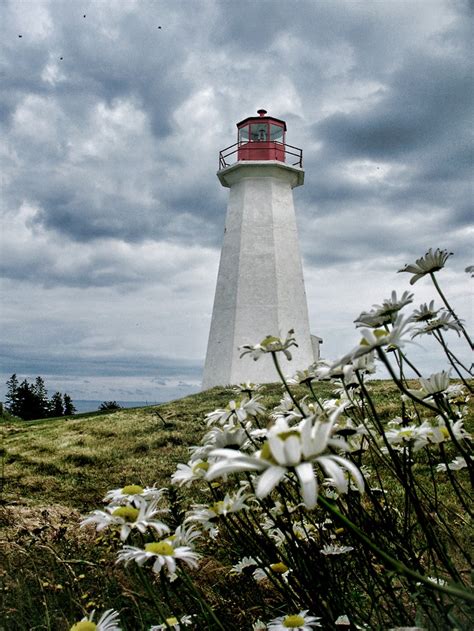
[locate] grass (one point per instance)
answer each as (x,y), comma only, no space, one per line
(54,470)
(74,461)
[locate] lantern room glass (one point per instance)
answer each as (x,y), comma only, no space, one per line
(244,134)
(276,133)
(261,132)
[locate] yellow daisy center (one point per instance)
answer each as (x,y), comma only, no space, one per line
(201,465)
(217,507)
(128,513)
(84,625)
(171,621)
(290,432)
(293,622)
(266,453)
(279,568)
(132,489)
(270,339)
(160,547)
(379,334)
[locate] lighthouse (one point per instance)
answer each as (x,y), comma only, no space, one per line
(260,287)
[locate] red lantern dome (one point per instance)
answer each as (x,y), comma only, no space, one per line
(261,137)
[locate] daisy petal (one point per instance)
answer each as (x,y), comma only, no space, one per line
(269,480)
(309,486)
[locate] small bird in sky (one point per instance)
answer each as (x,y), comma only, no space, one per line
(61,58)
(159,27)
(20,35)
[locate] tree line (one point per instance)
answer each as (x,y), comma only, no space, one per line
(30,400)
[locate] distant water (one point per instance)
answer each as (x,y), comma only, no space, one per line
(83,405)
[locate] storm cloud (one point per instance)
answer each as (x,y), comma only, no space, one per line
(112,216)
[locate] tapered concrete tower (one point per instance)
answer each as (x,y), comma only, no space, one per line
(260,287)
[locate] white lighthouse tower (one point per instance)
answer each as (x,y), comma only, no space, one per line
(260,287)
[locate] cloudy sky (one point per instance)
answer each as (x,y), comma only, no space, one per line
(112,115)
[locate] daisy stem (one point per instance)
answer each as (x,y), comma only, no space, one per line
(401,386)
(202,601)
(287,388)
(466,452)
(448,307)
(310,385)
(453,590)
(452,479)
(453,360)
(146,584)
(407,361)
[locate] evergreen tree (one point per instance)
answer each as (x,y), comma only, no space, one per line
(69,408)
(11,398)
(42,400)
(28,405)
(56,405)
(30,401)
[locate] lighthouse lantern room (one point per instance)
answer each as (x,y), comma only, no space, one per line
(261,138)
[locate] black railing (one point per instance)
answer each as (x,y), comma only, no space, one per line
(261,151)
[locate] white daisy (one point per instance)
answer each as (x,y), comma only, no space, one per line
(302,377)
(334,549)
(259,575)
(185,474)
(128,494)
(443,322)
(322,369)
(425,312)
(206,515)
(418,435)
(243,564)
(173,623)
(241,410)
(218,437)
(441,433)
(270,344)
(343,621)
(163,554)
(436,383)
(384,313)
(185,535)
(455,465)
(141,516)
(298,622)
(291,449)
(247,388)
(376,338)
(107,622)
(430,262)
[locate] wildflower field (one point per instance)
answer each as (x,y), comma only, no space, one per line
(329,499)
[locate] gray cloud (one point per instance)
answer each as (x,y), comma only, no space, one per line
(428,103)
(112,215)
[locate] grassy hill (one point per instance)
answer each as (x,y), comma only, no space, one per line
(74,461)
